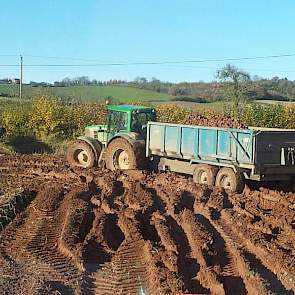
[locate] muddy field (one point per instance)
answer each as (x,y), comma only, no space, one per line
(66,231)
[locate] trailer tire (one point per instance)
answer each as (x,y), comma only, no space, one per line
(230,180)
(80,154)
(120,155)
(205,174)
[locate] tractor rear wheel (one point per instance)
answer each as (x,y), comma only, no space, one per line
(80,154)
(205,174)
(230,180)
(120,155)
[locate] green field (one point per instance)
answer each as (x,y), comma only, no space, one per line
(89,93)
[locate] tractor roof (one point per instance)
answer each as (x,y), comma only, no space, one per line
(127,108)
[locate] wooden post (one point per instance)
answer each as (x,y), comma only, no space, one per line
(21,78)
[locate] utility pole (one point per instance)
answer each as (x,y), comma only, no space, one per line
(21,77)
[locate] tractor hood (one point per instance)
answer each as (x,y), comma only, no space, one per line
(99,132)
(98,128)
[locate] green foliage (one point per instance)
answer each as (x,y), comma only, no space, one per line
(45,116)
(236,85)
(14,118)
(77,116)
(171,114)
(190,99)
(47,120)
(270,116)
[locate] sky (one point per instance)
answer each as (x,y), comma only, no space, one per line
(115,31)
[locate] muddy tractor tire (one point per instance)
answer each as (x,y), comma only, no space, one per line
(205,174)
(120,155)
(80,154)
(230,180)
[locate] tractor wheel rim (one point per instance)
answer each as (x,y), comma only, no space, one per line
(123,160)
(203,177)
(226,182)
(83,158)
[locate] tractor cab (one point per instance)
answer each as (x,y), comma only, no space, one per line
(129,119)
(121,120)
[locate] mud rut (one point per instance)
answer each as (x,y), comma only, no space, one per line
(97,232)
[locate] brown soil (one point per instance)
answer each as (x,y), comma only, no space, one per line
(99,232)
(213,120)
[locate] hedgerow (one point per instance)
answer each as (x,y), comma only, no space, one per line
(266,115)
(47,119)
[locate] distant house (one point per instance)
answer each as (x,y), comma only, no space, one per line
(14,81)
(10,81)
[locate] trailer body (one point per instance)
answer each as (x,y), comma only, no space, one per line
(260,153)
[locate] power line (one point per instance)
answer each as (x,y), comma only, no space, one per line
(61,57)
(154,62)
(242,67)
(164,62)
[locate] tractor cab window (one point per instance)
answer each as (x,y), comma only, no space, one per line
(140,120)
(117,121)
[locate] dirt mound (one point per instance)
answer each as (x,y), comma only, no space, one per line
(98,232)
(213,120)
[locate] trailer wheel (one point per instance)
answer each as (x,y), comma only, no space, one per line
(229,180)
(80,154)
(120,155)
(205,174)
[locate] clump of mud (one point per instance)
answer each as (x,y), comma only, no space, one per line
(213,120)
(12,204)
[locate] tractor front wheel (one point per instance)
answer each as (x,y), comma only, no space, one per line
(120,155)
(80,154)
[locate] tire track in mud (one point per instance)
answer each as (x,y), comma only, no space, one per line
(261,264)
(185,227)
(268,217)
(259,274)
(219,254)
(137,233)
(36,241)
(29,161)
(125,274)
(130,268)
(238,269)
(43,247)
(33,170)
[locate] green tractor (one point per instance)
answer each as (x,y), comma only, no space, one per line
(120,143)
